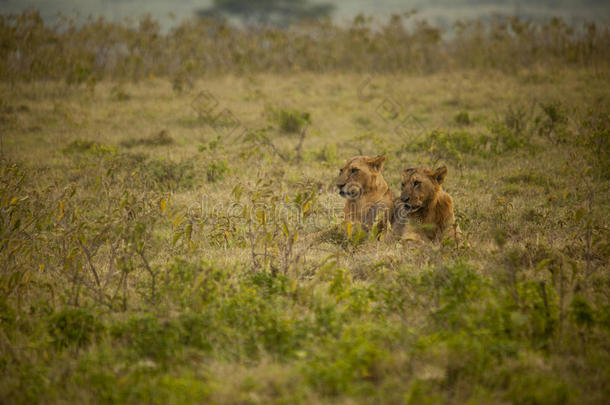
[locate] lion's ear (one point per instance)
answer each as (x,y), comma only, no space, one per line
(439,174)
(376,162)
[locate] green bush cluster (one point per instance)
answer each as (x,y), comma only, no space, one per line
(345,339)
(462,118)
(171,175)
(456,146)
(216,170)
(291,121)
(162,138)
(74,326)
(517,131)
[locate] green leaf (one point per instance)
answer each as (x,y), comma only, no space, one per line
(177,236)
(543,264)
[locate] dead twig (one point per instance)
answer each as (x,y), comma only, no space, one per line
(91,266)
(299,147)
(267,142)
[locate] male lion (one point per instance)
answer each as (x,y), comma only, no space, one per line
(424,208)
(369,199)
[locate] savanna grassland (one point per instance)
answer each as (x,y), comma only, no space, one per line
(155,216)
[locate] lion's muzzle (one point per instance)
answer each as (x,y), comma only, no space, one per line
(406,203)
(349,190)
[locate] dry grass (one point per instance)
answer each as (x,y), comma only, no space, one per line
(533,208)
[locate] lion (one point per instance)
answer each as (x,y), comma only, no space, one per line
(369,201)
(424,211)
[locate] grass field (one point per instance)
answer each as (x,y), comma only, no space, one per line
(154,240)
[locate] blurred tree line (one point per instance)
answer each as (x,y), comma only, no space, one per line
(267,12)
(99,49)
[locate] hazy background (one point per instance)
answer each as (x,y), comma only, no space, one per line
(441,12)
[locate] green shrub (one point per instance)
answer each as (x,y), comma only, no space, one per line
(537,388)
(595,131)
(349,364)
(148,337)
(99,380)
(552,123)
(197,330)
(460,289)
(7,314)
(517,120)
(327,153)
(539,306)
(505,139)
(216,170)
(424,392)
(192,285)
(458,146)
(462,118)
(162,138)
(258,323)
(269,284)
(532,178)
(85,146)
(468,356)
(291,121)
(169,175)
(186,388)
(582,313)
(74,327)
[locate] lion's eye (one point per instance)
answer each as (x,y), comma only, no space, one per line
(416,183)
(354,170)
(403,184)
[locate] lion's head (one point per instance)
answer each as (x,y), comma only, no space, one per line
(359,175)
(420,186)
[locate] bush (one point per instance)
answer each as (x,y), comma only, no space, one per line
(455,146)
(327,153)
(462,118)
(216,170)
(537,389)
(258,323)
(291,121)
(147,337)
(85,146)
(192,286)
(162,138)
(595,130)
(504,139)
(169,175)
(196,330)
(349,365)
(552,123)
(74,327)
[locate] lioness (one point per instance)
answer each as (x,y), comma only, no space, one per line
(424,208)
(369,199)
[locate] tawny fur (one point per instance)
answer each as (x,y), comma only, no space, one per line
(369,200)
(423,210)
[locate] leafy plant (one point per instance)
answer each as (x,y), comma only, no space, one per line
(74,326)
(462,118)
(552,122)
(167,174)
(162,138)
(290,121)
(216,170)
